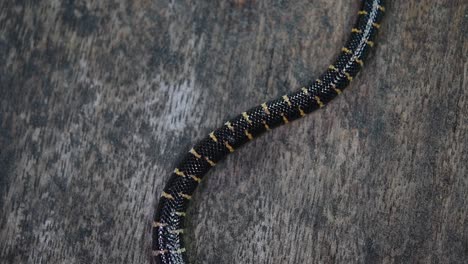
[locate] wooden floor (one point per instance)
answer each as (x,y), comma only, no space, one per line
(99,99)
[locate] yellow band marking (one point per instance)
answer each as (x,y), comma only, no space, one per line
(301,112)
(158,224)
(179,251)
(318,80)
(338,91)
(333,68)
(360,62)
(381,8)
(181,213)
(266,125)
(228,146)
(348,76)
(167,196)
(319,102)
(213,137)
(179,173)
(355,30)
(285,119)
(177,231)
(362,12)
(195,153)
(286,99)
(246,117)
(159,252)
(195,178)
(229,125)
(212,164)
(305,90)
(265,108)
(346,50)
(370,43)
(248,134)
(186,196)
(376,25)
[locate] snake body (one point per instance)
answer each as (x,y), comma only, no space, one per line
(168,225)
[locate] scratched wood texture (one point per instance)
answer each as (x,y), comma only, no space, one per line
(99,99)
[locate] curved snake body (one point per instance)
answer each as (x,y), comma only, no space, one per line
(168,225)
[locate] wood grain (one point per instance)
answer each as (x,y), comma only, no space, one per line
(99,99)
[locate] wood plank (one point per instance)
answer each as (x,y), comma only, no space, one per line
(99,99)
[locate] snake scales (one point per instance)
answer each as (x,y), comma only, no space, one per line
(168,225)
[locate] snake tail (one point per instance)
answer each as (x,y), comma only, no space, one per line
(168,225)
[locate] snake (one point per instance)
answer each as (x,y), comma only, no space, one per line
(169,217)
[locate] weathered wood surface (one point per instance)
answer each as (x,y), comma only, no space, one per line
(99,99)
